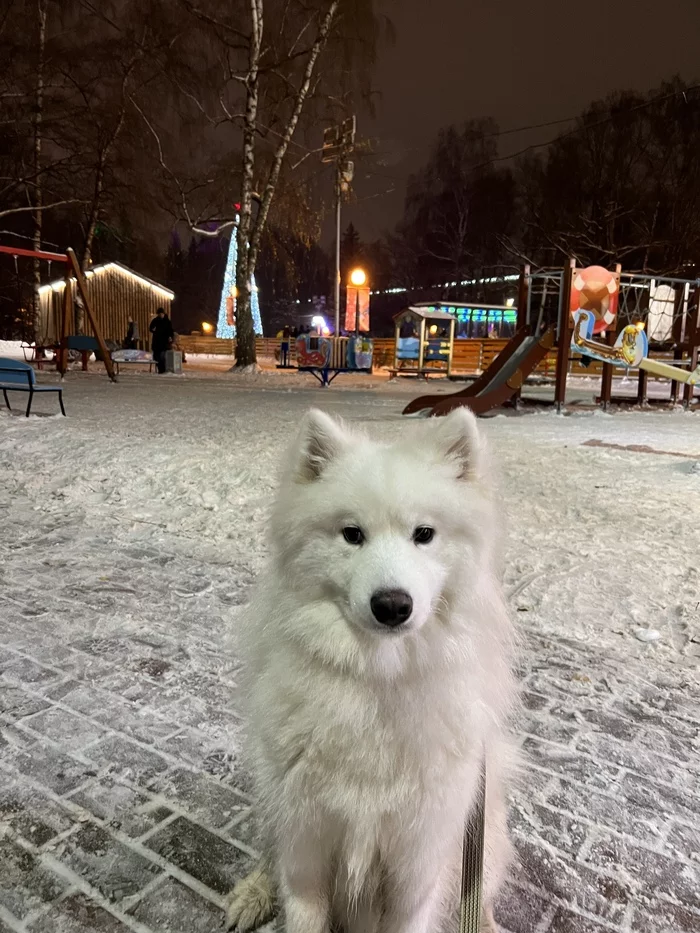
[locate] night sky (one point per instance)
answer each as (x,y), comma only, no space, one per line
(520,62)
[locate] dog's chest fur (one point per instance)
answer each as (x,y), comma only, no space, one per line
(378,759)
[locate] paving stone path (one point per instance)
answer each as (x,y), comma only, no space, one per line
(123,805)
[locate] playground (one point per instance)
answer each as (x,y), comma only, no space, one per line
(134,528)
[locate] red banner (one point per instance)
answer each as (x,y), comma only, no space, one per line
(357,300)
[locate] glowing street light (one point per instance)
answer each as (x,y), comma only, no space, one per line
(358,277)
(207,327)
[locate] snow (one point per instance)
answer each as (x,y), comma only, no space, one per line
(11,349)
(133,529)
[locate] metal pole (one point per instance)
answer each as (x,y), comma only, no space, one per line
(337,253)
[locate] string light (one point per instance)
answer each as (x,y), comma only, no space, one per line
(229,291)
(485,281)
(60,284)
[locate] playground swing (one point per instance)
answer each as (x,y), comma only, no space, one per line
(630,350)
(594,307)
(69,341)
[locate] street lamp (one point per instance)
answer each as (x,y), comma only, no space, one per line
(358,277)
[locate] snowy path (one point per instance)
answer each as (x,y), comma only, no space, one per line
(129,535)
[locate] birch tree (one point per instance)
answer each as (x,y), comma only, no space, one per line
(250,230)
(289,68)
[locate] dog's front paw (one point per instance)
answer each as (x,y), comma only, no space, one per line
(251,903)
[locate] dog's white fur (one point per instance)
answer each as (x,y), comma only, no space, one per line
(367,742)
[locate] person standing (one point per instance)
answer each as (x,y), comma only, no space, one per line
(162,336)
(132,335)
(284,347)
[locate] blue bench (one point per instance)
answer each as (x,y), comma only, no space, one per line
(16,376)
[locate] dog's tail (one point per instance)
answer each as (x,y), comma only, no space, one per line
(252,901)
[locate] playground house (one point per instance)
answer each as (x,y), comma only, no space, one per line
(116,293)
(424,340)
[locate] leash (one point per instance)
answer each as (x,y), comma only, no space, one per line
(473,863)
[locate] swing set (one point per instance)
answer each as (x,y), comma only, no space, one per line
(73,276)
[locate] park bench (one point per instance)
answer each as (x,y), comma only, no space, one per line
(133,358)
(16,376)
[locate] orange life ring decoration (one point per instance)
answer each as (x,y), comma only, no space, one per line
(597,290)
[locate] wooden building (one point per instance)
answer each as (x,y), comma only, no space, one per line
(116,293)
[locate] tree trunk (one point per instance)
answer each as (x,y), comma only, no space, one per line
(302,93)
(94,215)
(245,333)
(98,188)
(249,234)
(90,232)
(37,196)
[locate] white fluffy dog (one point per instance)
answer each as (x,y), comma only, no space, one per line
(378,653)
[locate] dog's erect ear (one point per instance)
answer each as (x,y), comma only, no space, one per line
(321,439)
(459,441)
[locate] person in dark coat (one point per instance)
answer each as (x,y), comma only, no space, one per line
(162,337)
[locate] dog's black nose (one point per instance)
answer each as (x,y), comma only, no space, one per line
(391,607)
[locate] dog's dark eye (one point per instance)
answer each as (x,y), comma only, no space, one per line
(353,534)
(423,535)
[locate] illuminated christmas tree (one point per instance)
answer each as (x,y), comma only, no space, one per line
(226,326)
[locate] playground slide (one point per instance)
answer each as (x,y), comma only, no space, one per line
(498,383)
(430,401)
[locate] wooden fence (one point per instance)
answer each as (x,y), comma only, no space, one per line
(469,357)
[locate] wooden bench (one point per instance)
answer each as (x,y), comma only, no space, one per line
(16,376)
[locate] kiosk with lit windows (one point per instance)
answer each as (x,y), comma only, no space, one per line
(424,342)
(476,320)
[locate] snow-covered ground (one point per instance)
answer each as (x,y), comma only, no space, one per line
(130,533)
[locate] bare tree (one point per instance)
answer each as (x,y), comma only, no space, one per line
(623,185)
(190,106)
(274,65)
(458,207)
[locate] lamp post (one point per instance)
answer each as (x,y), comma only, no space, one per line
(338,144)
